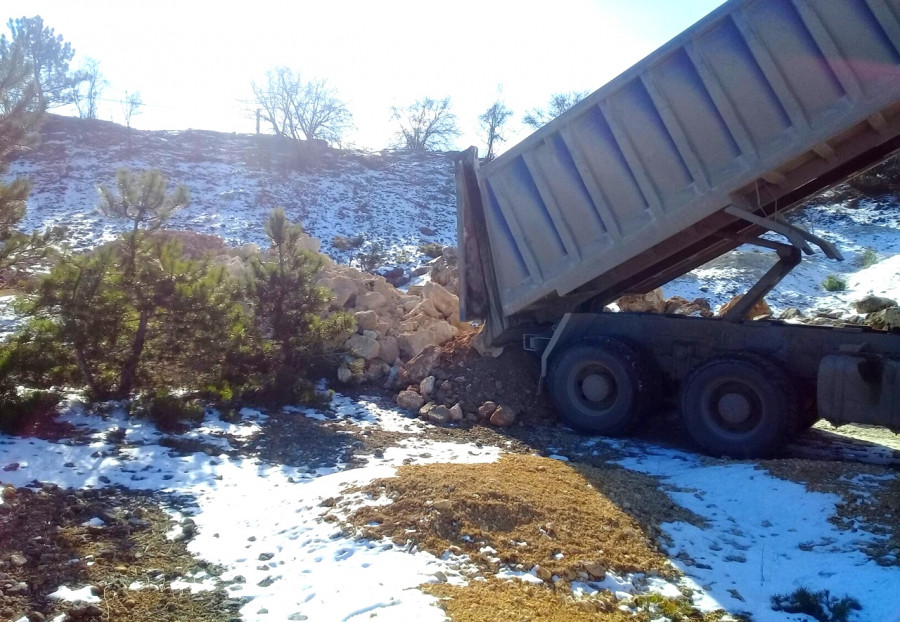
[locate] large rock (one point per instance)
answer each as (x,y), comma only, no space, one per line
(503,416)
(871,304)
(486,410)
(420,366)
(410,400)
(456,412)
(389,350)
(886,319)
(651,302)
(440,415)
(761,308)
(366,320)
(344,288)
(426,387)
(363,346)
(483,349)
(447,304)
(412,343)
(371,301)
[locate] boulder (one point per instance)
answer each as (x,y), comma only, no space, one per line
(791,313)
(440,415)
(413,343)
(761,308)
(410,400)
(503,417)
(871,304)
(344,374)
(886,319)
(363,346)
(486,410)
(447,304)
(426,387)
(651,302)
(388,350)
(456,412)
(366,320)
(421,365)
(484,350)
(445,271)
(371,301)
(376,370)
(343,288)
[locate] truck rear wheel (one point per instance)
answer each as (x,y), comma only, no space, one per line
(739,406)
(602,386)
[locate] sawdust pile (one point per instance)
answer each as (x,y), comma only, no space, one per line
(522,511)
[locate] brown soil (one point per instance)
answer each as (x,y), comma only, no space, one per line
(521,507)
(491,600)
(44,529)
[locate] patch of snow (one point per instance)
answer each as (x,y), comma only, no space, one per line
(67,594)
(764,536)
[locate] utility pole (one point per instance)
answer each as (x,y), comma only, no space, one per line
(257,120)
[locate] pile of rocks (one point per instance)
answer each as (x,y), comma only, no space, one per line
(435,395)
(393,326)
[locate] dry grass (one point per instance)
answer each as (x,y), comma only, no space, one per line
(491,600)
(531,511)
(566,522)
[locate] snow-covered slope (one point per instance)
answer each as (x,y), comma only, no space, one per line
(867,234)
(235,179)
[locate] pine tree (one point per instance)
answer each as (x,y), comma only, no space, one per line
(18,115)
(290,308)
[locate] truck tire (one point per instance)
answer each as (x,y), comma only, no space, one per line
(742,406)
(602,386)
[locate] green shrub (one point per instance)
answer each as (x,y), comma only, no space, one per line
(369,260)
(868,258)
(820,605)
(19,411)
(169,412)
(833,283)
(431,249)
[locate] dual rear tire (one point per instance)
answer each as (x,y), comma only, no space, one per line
(742,406)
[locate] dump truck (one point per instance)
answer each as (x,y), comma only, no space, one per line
(699,148)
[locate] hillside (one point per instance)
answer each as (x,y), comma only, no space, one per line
(235,179)
(396,201)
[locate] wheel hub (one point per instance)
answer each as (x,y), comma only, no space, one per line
(597,387)
(734,408)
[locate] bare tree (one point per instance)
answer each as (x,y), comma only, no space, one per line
(88,91)
(492,121)
(131,106)
(558,104)
(301,109)
(426,124)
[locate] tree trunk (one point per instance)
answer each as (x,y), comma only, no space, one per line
(129,370)
(86,372)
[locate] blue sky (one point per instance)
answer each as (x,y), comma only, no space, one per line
(193,60)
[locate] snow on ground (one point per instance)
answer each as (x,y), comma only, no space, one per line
(864,233)
(765,537)
(260,521)
(263,521)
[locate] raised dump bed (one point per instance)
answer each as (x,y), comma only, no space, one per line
(693,151)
